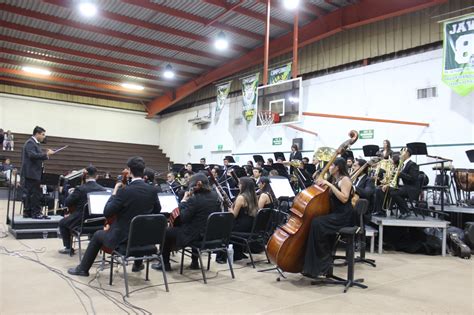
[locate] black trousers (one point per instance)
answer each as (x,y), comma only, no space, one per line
(398,197)
(33,196)
(95,244)
(170,245)
(65,226)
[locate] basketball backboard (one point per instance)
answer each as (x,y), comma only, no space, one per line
(283,98)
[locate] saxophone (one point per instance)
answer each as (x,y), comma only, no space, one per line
(394,182)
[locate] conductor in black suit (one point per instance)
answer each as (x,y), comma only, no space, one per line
(32,158)
(77,199)
(125,203)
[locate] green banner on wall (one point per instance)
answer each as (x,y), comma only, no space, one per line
(222,92)
(279,74)
(249,96)
(458,54)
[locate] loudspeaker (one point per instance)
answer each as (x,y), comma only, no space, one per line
(299,143)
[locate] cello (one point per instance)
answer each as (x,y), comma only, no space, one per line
(286,247)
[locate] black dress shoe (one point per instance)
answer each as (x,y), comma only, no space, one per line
(158,266)
(78,272)
(403,216)
(138,268)
(26,215)
(66,251)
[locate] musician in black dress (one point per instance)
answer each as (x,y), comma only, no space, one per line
(77,199)
(244,209)
(318,258)
(195,207)
(265,197)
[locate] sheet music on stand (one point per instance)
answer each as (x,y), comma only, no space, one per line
(281,187)
(168,202)
(97,201)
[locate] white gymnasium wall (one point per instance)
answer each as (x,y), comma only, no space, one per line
(21,114)
(385,90)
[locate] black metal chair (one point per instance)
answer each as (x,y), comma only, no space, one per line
(216,239)
(258,234)
(146,231)
(87,228)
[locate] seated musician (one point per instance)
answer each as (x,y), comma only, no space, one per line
(363,185)
(265,198)
(256,174)
(171,180)
(383,178)
(77,199)
(185,184)
(244,209)
(125,203)
(149,176)
(189,167)
(318,259)
(410,188)
(195,207)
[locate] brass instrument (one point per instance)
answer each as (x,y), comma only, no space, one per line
(356,174)
(393,181)
(387,166)
(324,154)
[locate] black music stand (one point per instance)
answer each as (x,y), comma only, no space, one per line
(281,169)
(239,171)
(106,182)
(417,148)
(371,149)
(197,167)
(310,168)
(279,155)
(348,154)
(470,155)
(258,158)
(177,167)
(50,179)
(229,158)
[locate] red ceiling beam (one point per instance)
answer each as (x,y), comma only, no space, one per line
(252,14)
(85,42)
(303,8)
(364,12)
(192,17)
(107,32)
(87,55)
(78,91)
(52,78)
(227,10)
(78,73)
(83,65)
(148,25)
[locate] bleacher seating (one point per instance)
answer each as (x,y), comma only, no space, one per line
(107,156)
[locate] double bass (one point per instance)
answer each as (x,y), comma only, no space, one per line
(286,247)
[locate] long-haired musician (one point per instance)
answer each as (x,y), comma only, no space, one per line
(195,207)
(318,258)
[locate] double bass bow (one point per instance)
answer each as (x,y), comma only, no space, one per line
(286,247)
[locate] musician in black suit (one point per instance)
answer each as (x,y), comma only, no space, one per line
(295,154)
(195,207)
(32,158)
(363,185)
(77,200)
(125,203)
(410,188)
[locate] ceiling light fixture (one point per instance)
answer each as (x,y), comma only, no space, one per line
(291,4)
(221,42)
(131,86)
(169,73)
(34,70)
(88,9)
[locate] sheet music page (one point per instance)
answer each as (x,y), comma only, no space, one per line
(97,203)
(168,202)
(281,187)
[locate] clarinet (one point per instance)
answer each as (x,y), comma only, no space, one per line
(226,198)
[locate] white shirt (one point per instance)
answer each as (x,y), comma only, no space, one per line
(136,178)
(405,162)
(36,140)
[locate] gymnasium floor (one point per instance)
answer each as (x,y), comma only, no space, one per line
(34,281)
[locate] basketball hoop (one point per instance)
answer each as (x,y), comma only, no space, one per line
(267,118)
